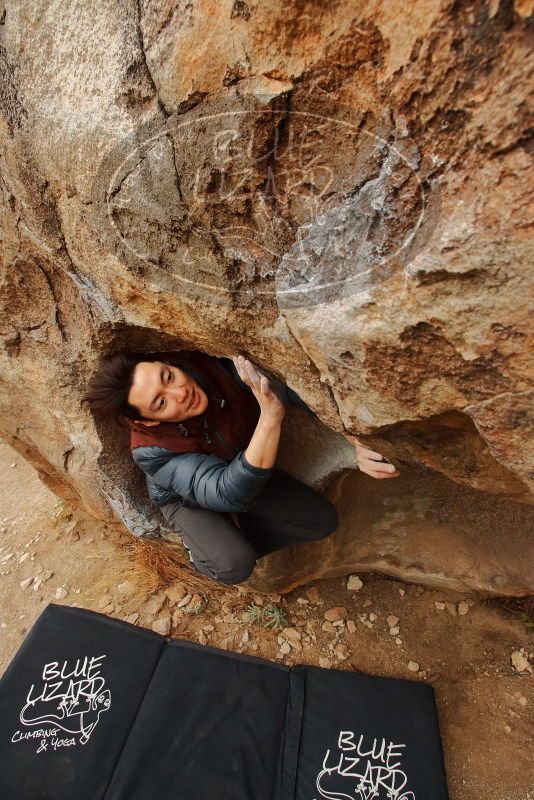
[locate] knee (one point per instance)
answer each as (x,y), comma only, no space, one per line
(327,520)
(239,569)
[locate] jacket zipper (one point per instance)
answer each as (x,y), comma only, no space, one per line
(223,440)
(207,437)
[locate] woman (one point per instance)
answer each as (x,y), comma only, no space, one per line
(205,431)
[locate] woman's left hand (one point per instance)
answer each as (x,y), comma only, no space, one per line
(373,463)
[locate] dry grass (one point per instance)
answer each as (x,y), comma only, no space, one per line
(151,558)
(151,568)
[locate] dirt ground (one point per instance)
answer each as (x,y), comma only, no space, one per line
(463,649)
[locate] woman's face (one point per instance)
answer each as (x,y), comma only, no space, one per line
(164,393)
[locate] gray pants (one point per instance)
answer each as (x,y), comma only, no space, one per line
(286,512)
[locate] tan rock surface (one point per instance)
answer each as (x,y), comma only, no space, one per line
(419,527)
(340,191)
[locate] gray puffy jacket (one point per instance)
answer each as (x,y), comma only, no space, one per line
(202,480)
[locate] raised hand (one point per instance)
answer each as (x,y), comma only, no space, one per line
(373,463)
(271,405)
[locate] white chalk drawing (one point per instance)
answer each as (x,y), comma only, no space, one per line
(363,771)
(70,700)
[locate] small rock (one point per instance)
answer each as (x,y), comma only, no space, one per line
(162,625)
(184,601)
(392,620)
(372,616)
(354,583)
(462,608)
(302,601)
(36,584)
(351,626)
(61,593)
(341,651)
(413,666)
(439,605)
(195,601)
(24,584)
(337,612)
(394,631)
(450,608)
(132,618)
(398,640)
(154,605)
(175,592)
(369,623)
(291,634)
(313,594)
(325,663)
(275,597)
(285,648)
(245,638)
(402,592)
(367,603)
(23,558)
(520,662)
(328,627)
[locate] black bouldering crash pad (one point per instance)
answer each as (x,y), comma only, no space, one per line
(95,708)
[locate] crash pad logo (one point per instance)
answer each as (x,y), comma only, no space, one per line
(361,770)
(64,708)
